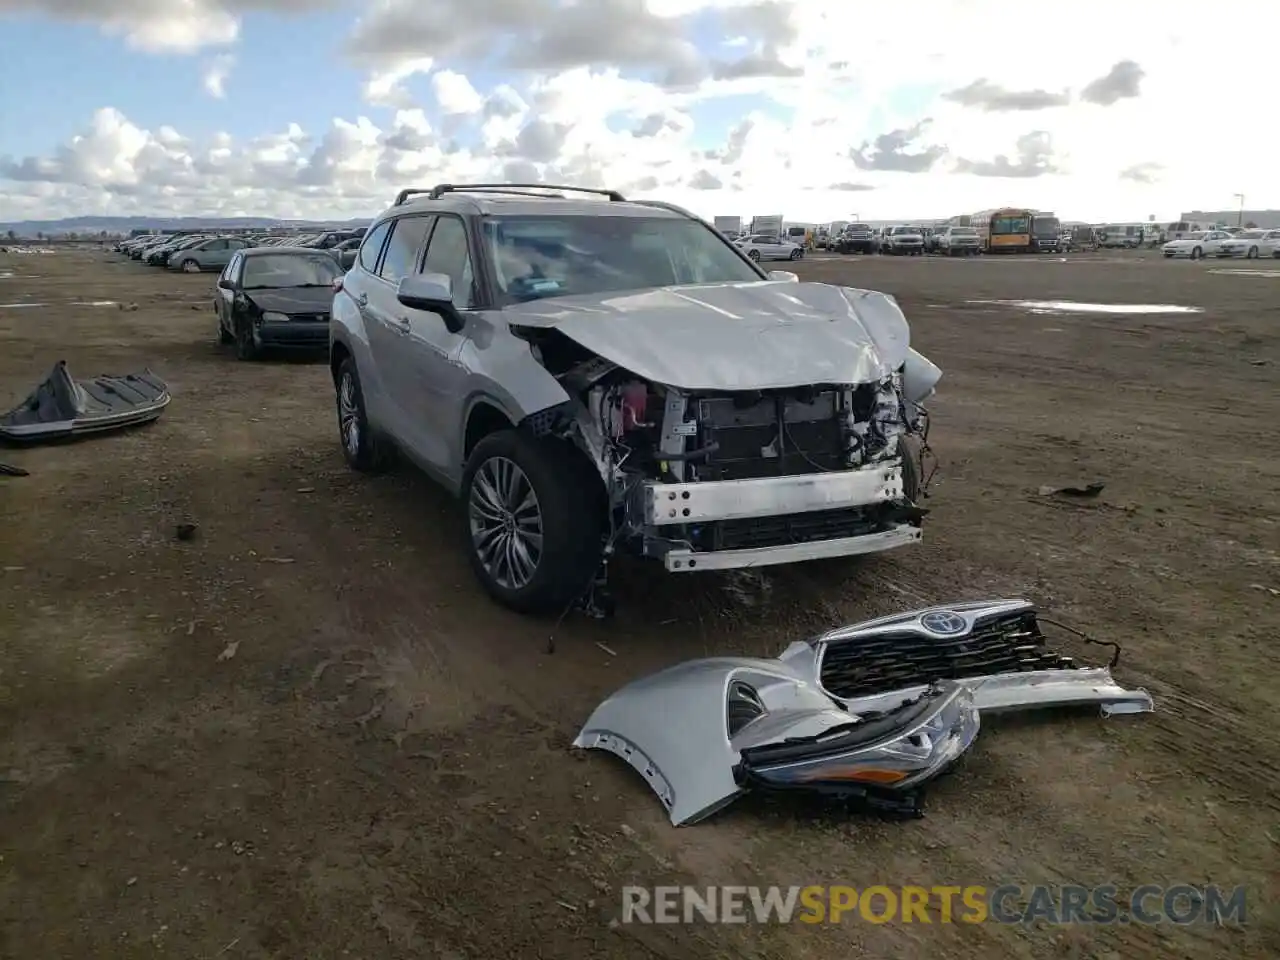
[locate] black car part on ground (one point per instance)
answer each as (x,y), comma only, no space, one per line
(61,406)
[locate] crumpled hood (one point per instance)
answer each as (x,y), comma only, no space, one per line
(734,336)
(293,300)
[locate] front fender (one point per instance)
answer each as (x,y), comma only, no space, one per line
(501,366)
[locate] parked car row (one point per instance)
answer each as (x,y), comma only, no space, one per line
(1247,244)
(906,240)
(203,251)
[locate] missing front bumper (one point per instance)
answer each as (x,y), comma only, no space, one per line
(690,561)
(730,524)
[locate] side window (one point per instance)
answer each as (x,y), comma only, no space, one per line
(372,246)
(215,245)
(448,254)
(407,234)
(229,271)
(235,244)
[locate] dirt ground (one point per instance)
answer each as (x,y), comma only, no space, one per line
(305,733)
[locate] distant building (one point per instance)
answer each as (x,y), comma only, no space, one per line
(1267,219)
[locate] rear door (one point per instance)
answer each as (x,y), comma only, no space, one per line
(387,325)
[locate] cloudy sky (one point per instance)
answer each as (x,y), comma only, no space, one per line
(817,109)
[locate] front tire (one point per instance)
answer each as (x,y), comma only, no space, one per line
(797,254)
(535,515)
(753,255)
(361,448)
(1196,253)
(246,349)
(1252,254)
(190,266)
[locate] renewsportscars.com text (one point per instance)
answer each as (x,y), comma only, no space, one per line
(1181,904)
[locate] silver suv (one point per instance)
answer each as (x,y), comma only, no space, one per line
(595,374)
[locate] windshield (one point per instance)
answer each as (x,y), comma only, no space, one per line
(289,270)
(1251,235)
(858,227)
(546,256)
(1009,225)
(905,230)
(1047,226)
(963,232)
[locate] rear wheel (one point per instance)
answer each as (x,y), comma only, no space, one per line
(361,448)
(535,521)
(1196,253)
(1252,254)
(797,254)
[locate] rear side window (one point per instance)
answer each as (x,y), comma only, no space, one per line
(373,245)
(407,234)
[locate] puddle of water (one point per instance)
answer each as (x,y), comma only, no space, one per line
(1248,273)
(15,306)
(1070,306)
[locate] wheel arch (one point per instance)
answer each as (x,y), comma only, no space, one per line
(483,418)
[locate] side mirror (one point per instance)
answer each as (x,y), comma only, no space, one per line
(432,292)
(225,284)
(785,276)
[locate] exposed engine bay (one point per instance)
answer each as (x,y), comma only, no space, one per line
(869,713)
(717,479)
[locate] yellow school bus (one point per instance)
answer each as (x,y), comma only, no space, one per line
(1007,230)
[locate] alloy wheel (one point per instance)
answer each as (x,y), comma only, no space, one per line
(506,522)
(349,415)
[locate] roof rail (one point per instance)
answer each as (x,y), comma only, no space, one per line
(663,205)
(441,189)
(404,195)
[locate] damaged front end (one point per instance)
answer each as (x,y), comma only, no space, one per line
(873,711)
(706,471)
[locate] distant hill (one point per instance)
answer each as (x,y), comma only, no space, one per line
(96,225)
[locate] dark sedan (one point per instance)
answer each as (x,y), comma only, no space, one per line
(275,297)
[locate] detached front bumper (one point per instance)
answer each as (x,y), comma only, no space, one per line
(809,517)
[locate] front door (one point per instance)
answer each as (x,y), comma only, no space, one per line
(439,378)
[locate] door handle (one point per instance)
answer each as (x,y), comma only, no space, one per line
(401,324)
(362,299)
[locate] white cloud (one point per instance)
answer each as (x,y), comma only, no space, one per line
(455,94)
(175,26)
(875,107)
(216,73)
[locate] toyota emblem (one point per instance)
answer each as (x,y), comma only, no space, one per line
(944,623)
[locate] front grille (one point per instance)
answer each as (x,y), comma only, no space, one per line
(759,532)
(1000,643)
